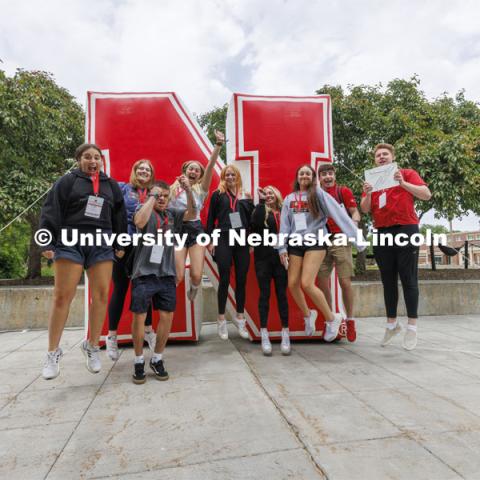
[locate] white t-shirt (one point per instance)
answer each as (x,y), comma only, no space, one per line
(179,200)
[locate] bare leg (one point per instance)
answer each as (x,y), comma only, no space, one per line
(163,330)
(347,295)
(311,264)
(294,278)
(67,276)
(138,332)
(197,256)
(324,285)
(99,276)
(180,258)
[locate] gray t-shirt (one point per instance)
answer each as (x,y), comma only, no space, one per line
(142,264)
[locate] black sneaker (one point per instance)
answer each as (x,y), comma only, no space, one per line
(159,370)
(138,376)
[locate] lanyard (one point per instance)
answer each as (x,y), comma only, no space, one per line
(159,221)
(276,216)
(142,194)
(96,183)
(233,203)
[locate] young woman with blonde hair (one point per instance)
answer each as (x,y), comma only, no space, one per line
(230,208)
(268,267)
(200,179)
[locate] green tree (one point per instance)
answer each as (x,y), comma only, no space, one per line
(40,126)
(212,120)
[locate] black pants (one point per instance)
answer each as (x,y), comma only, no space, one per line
(267,269)
(224,254)
(120,288)
(394,261)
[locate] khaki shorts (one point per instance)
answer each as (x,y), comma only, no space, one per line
(342,258)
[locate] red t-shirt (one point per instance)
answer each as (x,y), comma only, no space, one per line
(399,208)
(348,201)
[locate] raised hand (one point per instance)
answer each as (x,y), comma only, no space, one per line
(261,193)
(219,136)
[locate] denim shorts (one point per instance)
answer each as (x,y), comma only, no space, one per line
(162,291)
(86,256)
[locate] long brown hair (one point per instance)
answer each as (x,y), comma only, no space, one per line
(313,203)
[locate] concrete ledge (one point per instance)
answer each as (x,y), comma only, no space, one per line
(28,307)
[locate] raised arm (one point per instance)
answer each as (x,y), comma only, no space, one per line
(207,177)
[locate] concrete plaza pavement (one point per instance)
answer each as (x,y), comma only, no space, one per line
(336,411)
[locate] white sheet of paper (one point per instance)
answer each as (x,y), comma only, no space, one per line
(300,222)
(157,254)
(94,206)
(235,220)
(382,200)
(381,178)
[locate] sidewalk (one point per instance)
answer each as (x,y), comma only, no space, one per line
(338,411)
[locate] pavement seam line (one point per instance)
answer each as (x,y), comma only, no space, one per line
(291,426)
(79,421)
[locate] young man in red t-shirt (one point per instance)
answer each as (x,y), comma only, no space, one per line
(393,213)
(340,256)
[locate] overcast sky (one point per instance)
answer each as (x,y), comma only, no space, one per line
(205,50)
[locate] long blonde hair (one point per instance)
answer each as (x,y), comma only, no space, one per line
(279,201)
(133,174)
(222,186)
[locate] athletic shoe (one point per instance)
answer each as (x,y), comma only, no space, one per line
(159,369)
(331,328)
(266,345)
(92,357)
(351,331)
(192,293)
(310,323)
(112,347)
(390,333)
(138,376)
(151,339)
(410,339)
(242,327)
(51,368)
(285,345)
(222,329)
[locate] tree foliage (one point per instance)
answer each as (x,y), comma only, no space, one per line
(439,138)
(40,126)
(212,120)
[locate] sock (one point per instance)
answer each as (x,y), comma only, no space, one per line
(112,336)
(264,330)
(139,359)
(194,287)
(392,326)
(156,357)
(285,329)
(412,327)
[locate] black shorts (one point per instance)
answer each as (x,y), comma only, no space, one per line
(86,256)
(300,250)
(192,230)
(161,290)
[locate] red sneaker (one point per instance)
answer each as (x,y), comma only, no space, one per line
(351,332)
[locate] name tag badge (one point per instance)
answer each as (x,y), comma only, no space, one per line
(94,206)
(157,254)
(382,200)
(235,220)
(300,222)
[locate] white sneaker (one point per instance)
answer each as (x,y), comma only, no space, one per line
(51,368)
(92,357)
(390,333)
(410,339)
(310,323)
(112,347)
(151,339)
(242,327)
(192,293)
(331,328)
(266,345)
(222,329)
(285,345)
